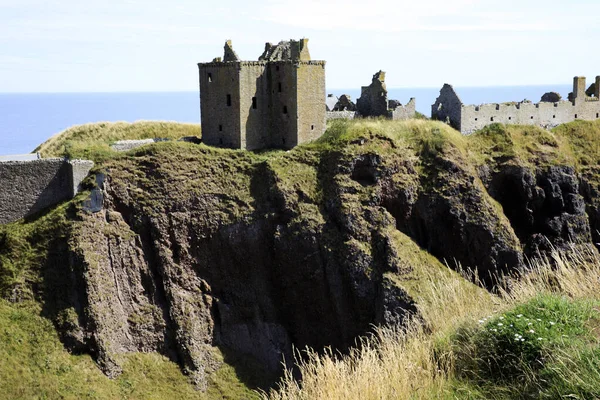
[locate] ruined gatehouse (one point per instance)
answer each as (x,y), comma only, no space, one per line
(548,113)
(277,101)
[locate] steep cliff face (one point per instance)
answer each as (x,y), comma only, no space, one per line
(181,248)
(257,254)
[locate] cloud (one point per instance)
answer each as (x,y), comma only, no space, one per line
(400,16)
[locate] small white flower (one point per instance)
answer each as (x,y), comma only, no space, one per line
(481,321)
(500,324)
(522,339)
(531,331)
(511,325)
(539,320)
(519,316)
(552,323)
(530,323)
(540,338)
(501,317)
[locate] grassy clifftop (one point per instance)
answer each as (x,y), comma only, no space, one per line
(379,204)
(92,141)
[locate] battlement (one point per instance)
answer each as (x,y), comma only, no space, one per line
(547,114)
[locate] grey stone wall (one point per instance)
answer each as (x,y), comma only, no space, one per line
(27,187)
(340,115)
(470,118)
(545,115)
(310,95)
(220,120)
(126,145)
(373,101)
(404,112)
(448,107)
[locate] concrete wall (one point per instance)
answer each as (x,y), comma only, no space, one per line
(27,187)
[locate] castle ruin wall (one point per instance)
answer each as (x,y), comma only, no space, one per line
(220,104)
(28,187)
(404,112)
(545,115)
(341,115)
(312,121)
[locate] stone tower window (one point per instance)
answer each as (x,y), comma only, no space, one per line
(312,127)
(254,103)
(575,116)
(475,119)
(228,100)
(220,128)
(532,117)
(279,87)
(285,109)
(509,118)
(597,115)
(491,119)
(209,77)
(554,116)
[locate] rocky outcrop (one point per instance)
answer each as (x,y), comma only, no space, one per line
(180,249)
(543,205)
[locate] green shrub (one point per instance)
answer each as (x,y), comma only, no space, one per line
(520,351)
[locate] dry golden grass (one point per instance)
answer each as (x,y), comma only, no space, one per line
(395,364)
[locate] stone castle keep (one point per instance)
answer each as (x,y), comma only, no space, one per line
(277,101)
(551,111)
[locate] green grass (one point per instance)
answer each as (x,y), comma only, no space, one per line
(584,140)
(532,349)
(24,247)
(528,145)
(35,365)
(92,141)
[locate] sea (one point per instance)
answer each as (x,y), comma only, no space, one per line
(29,119)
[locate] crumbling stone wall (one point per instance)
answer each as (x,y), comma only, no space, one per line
(404,112)
(277,101)
(373,101)
(27,187)
(448,107)
(470,118)
(341,115)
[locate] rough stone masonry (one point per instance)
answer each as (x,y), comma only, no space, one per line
(583,104)
(27,187)
(277,101)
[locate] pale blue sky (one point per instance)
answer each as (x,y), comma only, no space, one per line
(154,45)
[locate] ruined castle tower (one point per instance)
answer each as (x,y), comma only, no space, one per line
(277,101)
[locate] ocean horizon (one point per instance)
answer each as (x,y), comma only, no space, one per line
(29,119)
